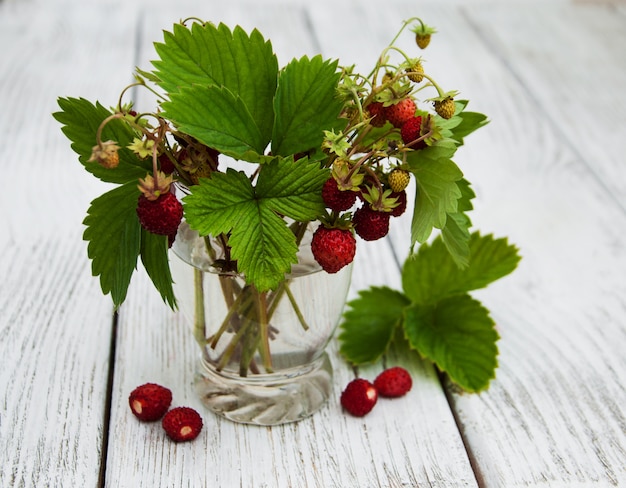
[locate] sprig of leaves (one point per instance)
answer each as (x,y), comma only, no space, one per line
(116,239)
(438,317)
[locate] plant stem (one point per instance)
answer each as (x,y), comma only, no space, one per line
(199,322)
(264,330)
(295,306)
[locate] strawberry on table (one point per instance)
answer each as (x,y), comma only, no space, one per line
(359,397)
(150,401)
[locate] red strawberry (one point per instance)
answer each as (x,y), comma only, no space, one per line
(161,216)
(336,199)
(400,112)
(149,402)
(182,424)
(165,164)
(359,397)
(333,248)
(377,112)
(370,224)
(393,382)
(411,130)
(401,201)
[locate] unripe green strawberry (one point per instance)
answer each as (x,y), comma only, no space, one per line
(422,40)
(400,112)
(445,108)
(416,72)
(398,180)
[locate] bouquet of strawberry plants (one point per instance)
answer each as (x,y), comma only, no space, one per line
(249,155)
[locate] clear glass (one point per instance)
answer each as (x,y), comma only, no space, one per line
(263,359)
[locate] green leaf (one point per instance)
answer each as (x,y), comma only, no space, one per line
(438,192)
(293,188)
(81,119)
(455,233)
(431,274)
(368,327)
(155,260)
(261,241)
(217,118)
(209,55)
(470,122)
(306,104)
(114,235)
(458,335)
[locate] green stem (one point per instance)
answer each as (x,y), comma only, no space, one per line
(296,308)
(199,330)
(234,308)
(264,330)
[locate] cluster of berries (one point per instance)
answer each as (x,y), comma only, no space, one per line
(368,158)
(358,168)
(361,395)
(151,402)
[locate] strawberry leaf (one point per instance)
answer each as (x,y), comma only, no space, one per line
(260,239)
(458,335)
(114,235)
(80,119)
(437,192)
(306,104)
(208,55)
(431,274)
(216,117)
(155,260)
(368,328)
(469,122)
(455,233)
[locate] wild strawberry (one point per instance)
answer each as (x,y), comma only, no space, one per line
(370,224)
(398,179)
(165,164)
(416,72)
(333,248)
(393,382)
(359,397)
(182,424)
(376,110)
(422,40)
(422,34)
(400,112)
(445,108)
(149,402)
(160,216)
(105,154)
(401,201)
(411,130)
(337,199)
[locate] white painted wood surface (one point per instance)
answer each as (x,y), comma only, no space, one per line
(548,171)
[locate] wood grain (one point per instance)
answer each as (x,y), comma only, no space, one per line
(547,171)
(552,417)
(55,325)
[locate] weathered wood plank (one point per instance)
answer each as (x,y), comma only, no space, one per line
(407,442)
(570,62)
(55,328)
(554,416)
(55,324)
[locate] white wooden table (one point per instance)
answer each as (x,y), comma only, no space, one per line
(548,170)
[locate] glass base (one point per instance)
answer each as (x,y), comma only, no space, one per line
(265,399)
